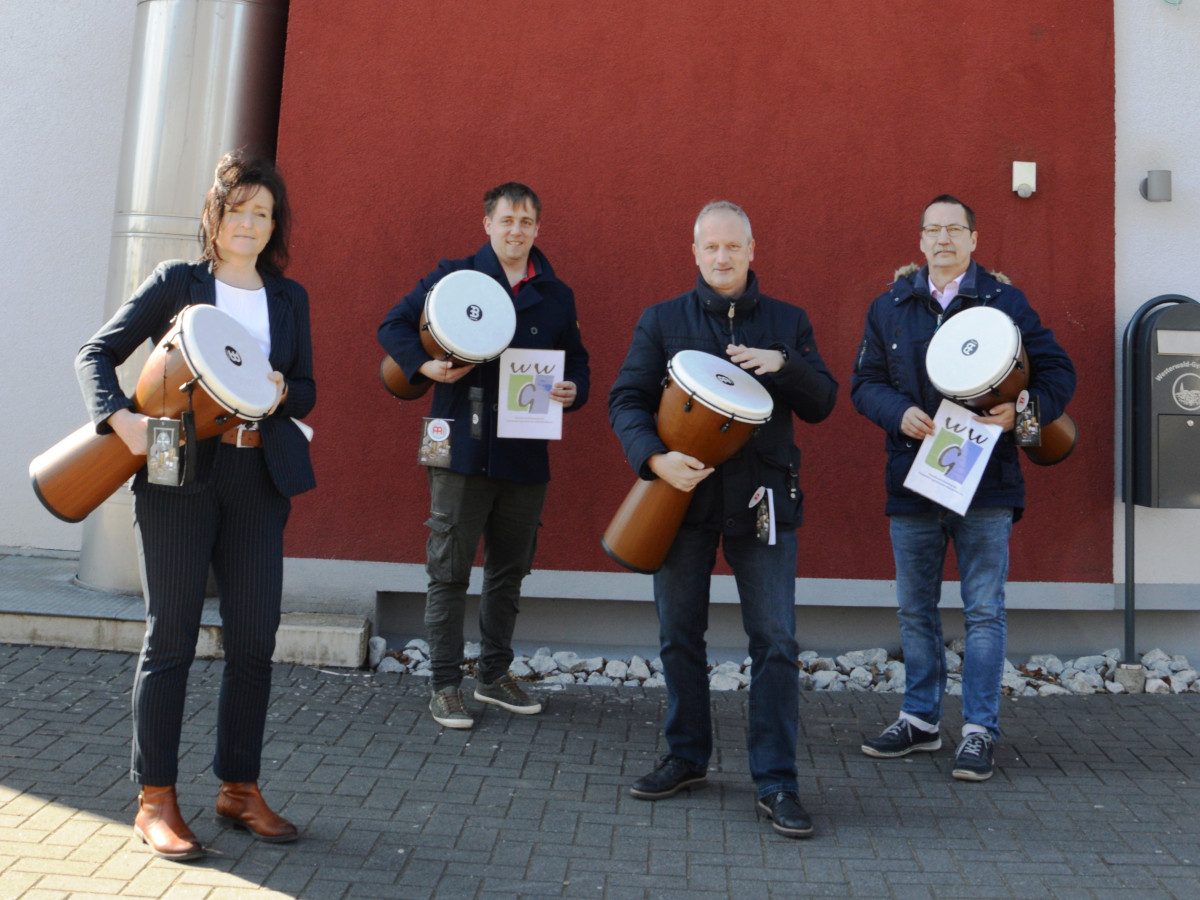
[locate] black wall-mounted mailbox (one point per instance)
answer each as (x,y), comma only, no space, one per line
(1166,407)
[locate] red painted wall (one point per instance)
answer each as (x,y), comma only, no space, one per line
(832,123)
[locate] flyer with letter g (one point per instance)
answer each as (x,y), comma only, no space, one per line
(526,410)
(951,461)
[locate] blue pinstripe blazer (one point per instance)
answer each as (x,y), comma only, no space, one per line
(147,315)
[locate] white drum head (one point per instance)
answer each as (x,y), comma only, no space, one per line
(226,360)
(972,352)
(471,316)
(721,386)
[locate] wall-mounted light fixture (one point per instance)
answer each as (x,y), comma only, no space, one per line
(1024,179)
(1156,185)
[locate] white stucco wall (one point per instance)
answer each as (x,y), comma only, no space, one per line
(1157,244)
(64,71)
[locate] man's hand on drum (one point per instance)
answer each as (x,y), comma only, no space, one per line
(442,370)
(916,424)
(130,427)
(679,470)
(1003,414)
(761,361)
(564,392)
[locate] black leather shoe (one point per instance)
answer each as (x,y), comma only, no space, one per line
(786,814)
(669,777)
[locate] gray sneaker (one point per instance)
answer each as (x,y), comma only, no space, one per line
(448,710)
(506,694)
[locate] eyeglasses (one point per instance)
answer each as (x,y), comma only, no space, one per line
(953,231)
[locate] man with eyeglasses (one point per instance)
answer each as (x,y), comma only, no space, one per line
(891,388)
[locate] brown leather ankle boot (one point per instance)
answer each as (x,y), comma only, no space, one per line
(161,827)
(240,805)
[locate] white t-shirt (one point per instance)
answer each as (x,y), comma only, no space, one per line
(250,310)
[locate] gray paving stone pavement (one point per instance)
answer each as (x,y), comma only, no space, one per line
(1094,797)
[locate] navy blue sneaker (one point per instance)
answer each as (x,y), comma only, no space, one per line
(900,739)
(973,758)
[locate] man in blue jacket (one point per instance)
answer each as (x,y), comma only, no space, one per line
(726,315)
(494,487)
(891,388)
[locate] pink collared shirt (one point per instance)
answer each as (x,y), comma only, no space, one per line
(948,293)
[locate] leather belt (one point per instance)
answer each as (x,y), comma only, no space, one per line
(243,436)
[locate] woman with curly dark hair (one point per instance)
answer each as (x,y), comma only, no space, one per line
(230,515)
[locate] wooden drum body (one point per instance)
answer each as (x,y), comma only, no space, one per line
(708,409)
(207,349)
(977,358)
(468,319)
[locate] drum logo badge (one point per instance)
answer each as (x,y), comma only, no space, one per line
(234,356)
(474,313)
(1186,392)
(724,379)
(970,347)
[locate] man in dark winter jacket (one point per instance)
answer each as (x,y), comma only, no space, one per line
(494,487)
(725,315)
(891,387)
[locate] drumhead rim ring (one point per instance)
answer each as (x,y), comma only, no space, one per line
(181,337)
(691,392)
(497,293)
(978,390)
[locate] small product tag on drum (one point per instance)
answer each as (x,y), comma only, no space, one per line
(1027,431)
(764,512)
(163,463)
(435,443)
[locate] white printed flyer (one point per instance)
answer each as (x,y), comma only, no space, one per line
(951,461)
(526,410)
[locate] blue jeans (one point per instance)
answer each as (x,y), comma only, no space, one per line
(766,583)
(919,543)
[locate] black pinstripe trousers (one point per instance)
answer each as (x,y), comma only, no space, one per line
(235,522)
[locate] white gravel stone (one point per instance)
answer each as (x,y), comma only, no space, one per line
(569,661)
(1113,653)
(806,681)
(1013,681)
(375,648)
(543,665)
(807,656)
(822,664)
(1194,687)
(1157,686)
(596,679)
(958,645)
(1052,690)
(471,650)
(954,688)
(558,678)
(656,665)
(1187,676)
(423,670)
(1084,683)
(1089,662)
(865,659)
(1045,662)
(520,669)
(861,677)
(1179,663)
(638,669)
(655,680)
(721,682)
(953,661)
(1154,656)
(824,679)
(1114,687)
(390,664)
(616,669)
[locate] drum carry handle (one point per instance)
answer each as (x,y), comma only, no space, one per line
(188,420)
